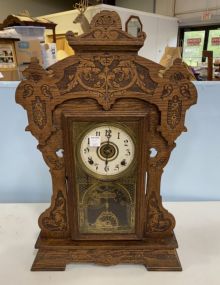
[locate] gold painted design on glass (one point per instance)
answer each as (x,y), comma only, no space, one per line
(107,208)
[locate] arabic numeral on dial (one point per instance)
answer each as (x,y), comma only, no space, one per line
(108,133)
(125,142)
(128,152)
(96,166)
(106,168)
(116,167)
(90,160)
(86,150)
(124,162)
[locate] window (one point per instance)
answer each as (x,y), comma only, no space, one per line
(214,43)
(193,47)
(196,39)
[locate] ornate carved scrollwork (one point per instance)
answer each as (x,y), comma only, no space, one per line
(157,220)
(106,78)
(28,90)
(39,112)
(167,90)
(185,90)
(174,112)
(57,220)
(98,72)
(105,21)
(46,91)
(36,97)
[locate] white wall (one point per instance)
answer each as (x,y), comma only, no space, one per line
(142,5)
(64,20)
(187,6)
(165,7)
(190,12)
(35,7)
(161,31)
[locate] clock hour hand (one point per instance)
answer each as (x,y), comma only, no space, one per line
(106,165)
(108,135)
(106,160)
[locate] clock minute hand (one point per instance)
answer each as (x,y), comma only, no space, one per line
(108,135)
(106,165)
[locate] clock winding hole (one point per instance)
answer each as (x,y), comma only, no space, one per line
(153,152)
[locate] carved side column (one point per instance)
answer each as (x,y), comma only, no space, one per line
(54,221)
(38,94)
(159,222)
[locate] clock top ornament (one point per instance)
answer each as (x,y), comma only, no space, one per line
(106,34)
(108,92)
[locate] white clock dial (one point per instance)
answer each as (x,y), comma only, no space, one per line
(107,150)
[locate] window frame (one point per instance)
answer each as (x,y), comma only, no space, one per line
(205,28)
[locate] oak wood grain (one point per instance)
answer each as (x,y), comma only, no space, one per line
(106,78)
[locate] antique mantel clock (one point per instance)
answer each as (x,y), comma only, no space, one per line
(106,121)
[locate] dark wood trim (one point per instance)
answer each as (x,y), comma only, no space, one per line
(209,55)
(112,116)
(154,254)
(206,28)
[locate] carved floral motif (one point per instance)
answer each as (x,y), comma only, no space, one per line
(177,76)
(105,21)
(167,90)
(144,79)
(46,91)
(39,112)
(28,90)
(174,112)
(113,257)
(98,72)
(184,91)
(106,78)
(57,221)
(156,220)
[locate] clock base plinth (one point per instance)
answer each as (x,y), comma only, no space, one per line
(154,254)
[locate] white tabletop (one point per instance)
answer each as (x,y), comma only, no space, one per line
(197,231)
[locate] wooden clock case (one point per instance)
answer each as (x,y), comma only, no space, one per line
(106,77)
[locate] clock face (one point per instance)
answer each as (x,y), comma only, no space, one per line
(107,150)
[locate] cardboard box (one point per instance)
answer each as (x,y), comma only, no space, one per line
(170,54)
(25,50)
(9,75)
